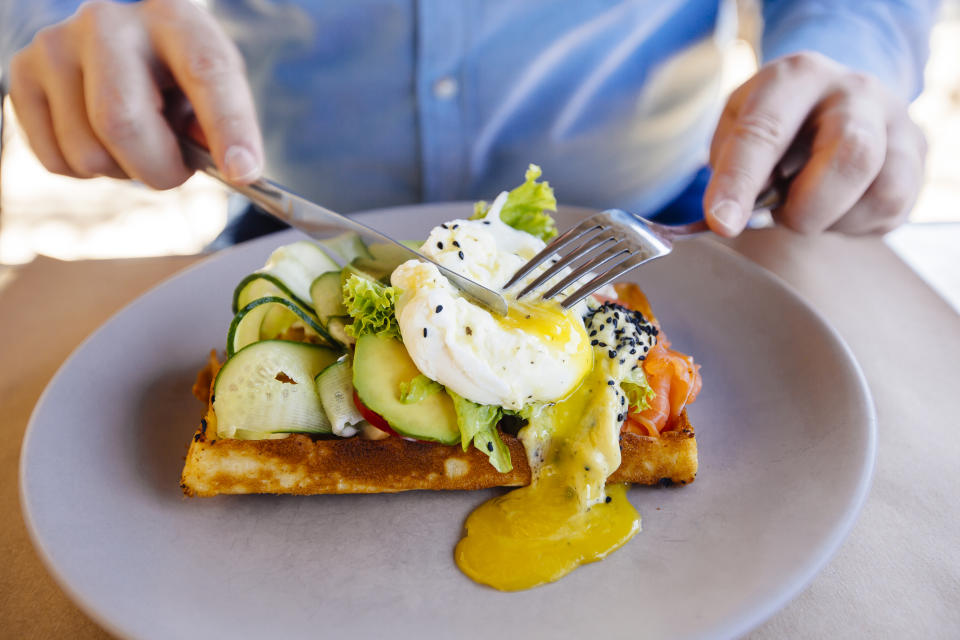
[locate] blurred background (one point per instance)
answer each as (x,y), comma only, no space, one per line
(69,219)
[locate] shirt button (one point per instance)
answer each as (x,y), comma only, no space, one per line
(445,88)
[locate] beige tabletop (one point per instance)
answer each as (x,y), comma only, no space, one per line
(897,574)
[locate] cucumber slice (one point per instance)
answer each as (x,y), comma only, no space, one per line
(292,268)
(337,328)
(266,318)
(380,364)
(347,246)
(268,387)
(326,292)
(353,270)
(258,285)
(335,386)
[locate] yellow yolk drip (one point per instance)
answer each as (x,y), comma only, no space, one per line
(546,319)
(538,534)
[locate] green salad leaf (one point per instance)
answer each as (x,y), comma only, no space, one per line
(478,423)
(418,389)
(372,307)
(638,390)
(526,206)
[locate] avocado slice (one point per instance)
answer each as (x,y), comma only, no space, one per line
(380,364)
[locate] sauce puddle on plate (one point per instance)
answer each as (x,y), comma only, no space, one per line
(540,533)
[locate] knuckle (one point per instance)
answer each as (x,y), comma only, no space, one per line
(47,42)
(890,196)
(114,120)
(95,13)
(804,62)
(859,150)
(91,161)
(760,127)
(859,83)
(208,63)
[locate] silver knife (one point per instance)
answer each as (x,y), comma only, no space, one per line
(319,222)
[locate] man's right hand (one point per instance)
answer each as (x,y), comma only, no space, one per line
(93,93)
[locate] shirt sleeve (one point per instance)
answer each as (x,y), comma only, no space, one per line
(20,21)
(887,38)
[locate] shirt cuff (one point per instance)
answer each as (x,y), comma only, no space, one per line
(872,44)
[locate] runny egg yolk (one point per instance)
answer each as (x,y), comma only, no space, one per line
(539,533)
(547,320)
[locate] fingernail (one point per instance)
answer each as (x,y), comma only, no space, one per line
(729,215)
(240,165)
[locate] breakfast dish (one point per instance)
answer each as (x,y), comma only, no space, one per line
(784,464)
(371,373)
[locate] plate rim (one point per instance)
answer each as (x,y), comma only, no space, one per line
(764,609)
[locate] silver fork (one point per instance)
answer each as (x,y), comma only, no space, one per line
(616,242)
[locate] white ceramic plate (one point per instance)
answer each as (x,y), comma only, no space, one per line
(786,436)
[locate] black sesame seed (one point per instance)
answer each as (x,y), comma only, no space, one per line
(622,360)
(633,351)
(444,225)
(456,244)
(593,343)
(439,308)
(455,226)
(608,499)
(610,382)
(460,253)
(619,417)
(593,333)
(602,344)
(424,332)
(439,245)
(612,354)
(486,222)
(489,446)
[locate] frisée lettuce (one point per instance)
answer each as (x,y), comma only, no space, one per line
(526,206)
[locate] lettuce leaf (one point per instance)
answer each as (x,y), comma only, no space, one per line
(372,307)
(638,390)
(418,389)
(478,423)
(526,206)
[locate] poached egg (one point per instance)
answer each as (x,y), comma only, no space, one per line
(538,353)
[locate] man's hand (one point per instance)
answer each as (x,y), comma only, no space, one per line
(865,162)
(91,93)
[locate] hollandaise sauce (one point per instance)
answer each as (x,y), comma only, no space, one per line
(566,517)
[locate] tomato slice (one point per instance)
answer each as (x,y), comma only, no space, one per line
(371,416)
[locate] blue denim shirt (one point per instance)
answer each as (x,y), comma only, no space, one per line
(368,103)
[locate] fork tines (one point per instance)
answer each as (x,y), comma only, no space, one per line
(605,242)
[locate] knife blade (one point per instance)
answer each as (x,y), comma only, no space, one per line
(319,222)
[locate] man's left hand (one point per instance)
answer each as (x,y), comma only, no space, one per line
(865,163)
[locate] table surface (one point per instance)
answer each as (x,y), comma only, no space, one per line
(898,573)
